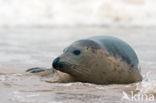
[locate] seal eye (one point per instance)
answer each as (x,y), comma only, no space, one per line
(76,52)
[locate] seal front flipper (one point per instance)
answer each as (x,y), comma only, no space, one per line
(51,75)
(35,70)
(41,71)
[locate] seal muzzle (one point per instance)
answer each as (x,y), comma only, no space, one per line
(57,64)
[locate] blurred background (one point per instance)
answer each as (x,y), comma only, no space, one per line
(34,32)
(69,13)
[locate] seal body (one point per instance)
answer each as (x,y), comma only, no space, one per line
(100,60)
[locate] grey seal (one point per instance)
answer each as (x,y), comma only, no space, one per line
(99,60)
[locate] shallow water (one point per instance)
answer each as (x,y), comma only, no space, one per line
(23,48)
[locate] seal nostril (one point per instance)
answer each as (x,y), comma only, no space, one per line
(60,64)
(57,59)
(57,64)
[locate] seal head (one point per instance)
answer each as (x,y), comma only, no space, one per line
(77,58)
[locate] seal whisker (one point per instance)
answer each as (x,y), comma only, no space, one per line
(77,71)
(81,71)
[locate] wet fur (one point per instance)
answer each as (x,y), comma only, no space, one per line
(98,63)
(103,69)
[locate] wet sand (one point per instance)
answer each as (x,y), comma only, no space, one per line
(23,48)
